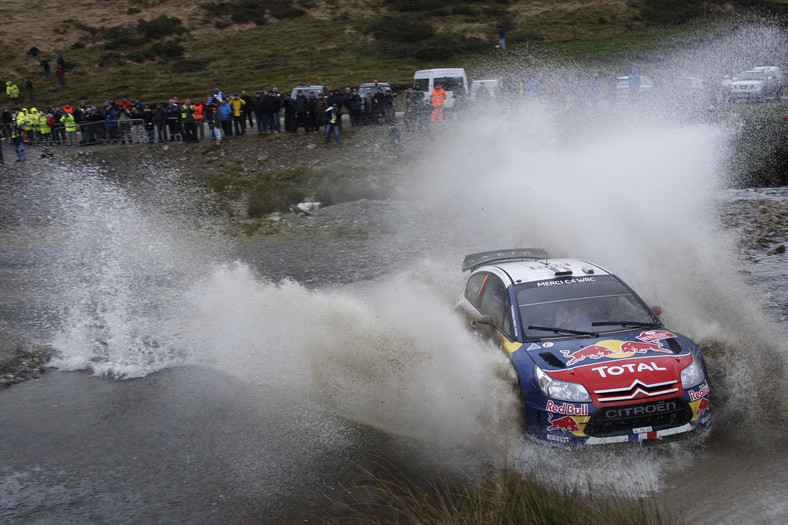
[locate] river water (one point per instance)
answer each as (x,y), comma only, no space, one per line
(189,387)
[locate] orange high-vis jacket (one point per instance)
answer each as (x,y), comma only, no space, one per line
(438,96)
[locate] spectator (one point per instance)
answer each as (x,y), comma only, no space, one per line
(111,122)
(290,114)
(378,106)
(61,75)
(247,109)
(354,111)
(149,124)
(160,120)
(12,91)
(6,120)
(19,142)
(226,117)
(189,124)
(46,68)
(33,51)
(199,118)
(215,121)
(301,105)
(332,118)
(277,105)
(438,99)
(389,112)
(70,126)
(367,108)
(502,38)
(257,105)
(270,112)
(239,121)
(173,112)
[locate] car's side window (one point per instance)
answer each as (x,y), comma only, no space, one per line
(473,290)
(495,303)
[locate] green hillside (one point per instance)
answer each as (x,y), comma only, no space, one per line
(154,49)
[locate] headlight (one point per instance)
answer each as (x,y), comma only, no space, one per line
(563,390)
(692,375)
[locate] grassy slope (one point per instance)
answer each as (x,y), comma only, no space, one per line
(331,44)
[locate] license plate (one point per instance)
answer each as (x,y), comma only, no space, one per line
(641,430)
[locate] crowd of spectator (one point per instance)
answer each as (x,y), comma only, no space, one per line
(215,117)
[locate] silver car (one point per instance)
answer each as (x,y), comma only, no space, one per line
(755,85)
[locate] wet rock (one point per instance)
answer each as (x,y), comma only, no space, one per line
(21,360)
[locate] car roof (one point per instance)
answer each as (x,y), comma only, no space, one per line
(530,265)
(549,269)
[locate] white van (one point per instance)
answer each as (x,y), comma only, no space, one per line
(451,78)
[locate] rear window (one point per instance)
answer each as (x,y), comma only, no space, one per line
(372,88)
(449,83)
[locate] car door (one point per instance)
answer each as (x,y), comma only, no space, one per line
(487,292)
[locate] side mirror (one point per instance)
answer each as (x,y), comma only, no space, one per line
(483,324)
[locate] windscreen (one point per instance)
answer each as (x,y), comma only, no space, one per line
(590,305)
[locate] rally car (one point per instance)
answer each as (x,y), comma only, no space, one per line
(594,363)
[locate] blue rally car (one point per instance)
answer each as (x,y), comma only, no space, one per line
(595,364)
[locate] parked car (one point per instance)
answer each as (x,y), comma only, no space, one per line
(594,363)
(310,88)
(623,90)
(372,87)
(755,85)
(484,88)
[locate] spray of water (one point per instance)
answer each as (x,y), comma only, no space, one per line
(632,186)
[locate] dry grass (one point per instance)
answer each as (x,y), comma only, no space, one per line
(501,498)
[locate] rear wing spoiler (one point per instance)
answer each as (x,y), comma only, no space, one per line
(475,260)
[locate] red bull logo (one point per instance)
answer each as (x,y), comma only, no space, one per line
(703,406)
(612,350)
(591,352)
(653,336)
(564,424)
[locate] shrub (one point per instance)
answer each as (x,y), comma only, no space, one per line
(161,27)
(216,8)
(188,66)
(465,10)
(125,42)
(663,12)
(416,5)
(248,11)
(140,55)
(168,49)
(283,10)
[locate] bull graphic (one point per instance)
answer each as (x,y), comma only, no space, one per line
(703,406)
(591,352)
(564,424)
(642,348)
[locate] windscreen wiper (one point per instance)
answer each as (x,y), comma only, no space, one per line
(640,324)
(563,330)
